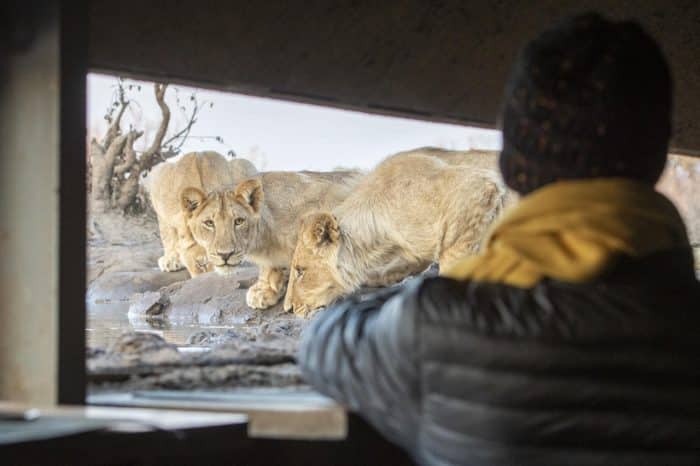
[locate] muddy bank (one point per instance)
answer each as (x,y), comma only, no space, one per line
(229,345)
(149,329)
(140,361)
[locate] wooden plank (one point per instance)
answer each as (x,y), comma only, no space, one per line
(63,420)
(271,413)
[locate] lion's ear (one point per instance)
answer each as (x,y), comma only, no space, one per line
(250,194)
(323,230)
(191,198)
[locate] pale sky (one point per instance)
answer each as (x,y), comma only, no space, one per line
(279,135)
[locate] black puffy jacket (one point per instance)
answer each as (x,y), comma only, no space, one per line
(472,373)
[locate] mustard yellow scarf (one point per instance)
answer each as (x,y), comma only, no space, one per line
(572,231)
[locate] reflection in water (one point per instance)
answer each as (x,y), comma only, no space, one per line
(105,322)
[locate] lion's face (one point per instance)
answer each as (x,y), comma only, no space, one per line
(224,223)
(313,281)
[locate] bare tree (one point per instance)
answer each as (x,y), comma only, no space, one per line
(115,167)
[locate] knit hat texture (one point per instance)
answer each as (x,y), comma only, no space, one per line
(587,98)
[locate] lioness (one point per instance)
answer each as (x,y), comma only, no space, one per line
(412,210)
(486,159)
(258,220)
(206,171)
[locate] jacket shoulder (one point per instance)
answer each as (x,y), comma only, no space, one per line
(632,301)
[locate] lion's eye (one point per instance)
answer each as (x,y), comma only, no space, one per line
(209,224)
(299,271)
(239,221)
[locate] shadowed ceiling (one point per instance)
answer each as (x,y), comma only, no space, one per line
(434,60)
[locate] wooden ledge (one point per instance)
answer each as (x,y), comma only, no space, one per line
(271,413)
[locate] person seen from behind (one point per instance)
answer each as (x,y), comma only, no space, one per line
(573,337)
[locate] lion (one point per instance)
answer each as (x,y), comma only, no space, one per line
(207,171)
(474,158)
(416,208)
(257,220)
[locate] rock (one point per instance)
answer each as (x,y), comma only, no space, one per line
(120,286)
(242,352)
(146,361)
(151,303)
(285,328)
(202,338)
(205,299)
(211,338)
(137,343)
(205,286)
(133,349)
(222,377)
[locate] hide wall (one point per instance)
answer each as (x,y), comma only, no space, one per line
(435,60)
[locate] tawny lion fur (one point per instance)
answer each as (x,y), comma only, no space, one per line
(258,220)
(416,208)
(206,171)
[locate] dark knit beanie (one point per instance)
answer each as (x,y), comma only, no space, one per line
(587,98)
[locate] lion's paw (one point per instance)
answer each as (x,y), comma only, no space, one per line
(261,297)
(304,312)
(170,264)
(202,265)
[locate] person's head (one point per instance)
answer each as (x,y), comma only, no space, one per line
(587,98)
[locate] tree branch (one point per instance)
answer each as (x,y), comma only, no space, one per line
(97,151)
(116,168)
(129,154)
(114,127)
(102,169)
(160,134)
(184,132)
(114,149)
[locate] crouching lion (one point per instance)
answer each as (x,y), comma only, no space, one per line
(414,209)
(258,220)
(207,171)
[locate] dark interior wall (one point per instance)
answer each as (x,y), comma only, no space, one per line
(42,201)
(437,60)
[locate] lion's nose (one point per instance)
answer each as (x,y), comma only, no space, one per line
(225,255)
